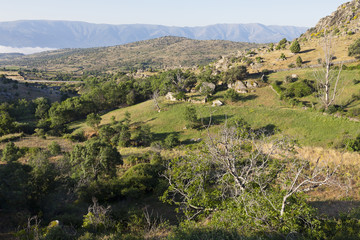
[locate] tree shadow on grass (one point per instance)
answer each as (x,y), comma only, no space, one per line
(248,98)
(162,136)
(213,120)
(308,50)
(267,130)
(334,208)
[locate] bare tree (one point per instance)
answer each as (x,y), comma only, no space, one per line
(245,167)
(327,78)
(155,98)
(97,216)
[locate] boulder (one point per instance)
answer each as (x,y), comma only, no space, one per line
(294,76)
(217,103)
(207,87)
(238,86)
(170,96)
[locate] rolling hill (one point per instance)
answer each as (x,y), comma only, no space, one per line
(156,53)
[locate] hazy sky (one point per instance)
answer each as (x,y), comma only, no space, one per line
(172,12)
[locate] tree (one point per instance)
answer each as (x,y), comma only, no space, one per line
(261,178)
(236,73)
(42,107)
(282,56)
(295,47)
(191,117)
(93,120)
(282,44)
(354,49)
(6,123)
(327,78)
(299,61)
(95,159)
(11,153)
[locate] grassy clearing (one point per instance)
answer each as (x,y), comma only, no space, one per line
(309,127)
(37,142)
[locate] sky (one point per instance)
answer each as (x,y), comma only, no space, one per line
(304,13)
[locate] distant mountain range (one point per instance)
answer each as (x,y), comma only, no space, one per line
(70,34)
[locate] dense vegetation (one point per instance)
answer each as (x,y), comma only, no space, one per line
(223,151)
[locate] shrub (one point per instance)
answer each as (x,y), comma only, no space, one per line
(353,144)
(11,153)
(299,61)
(77,136)
(282,44)
(295,47)
(354,49)
(277,88)
(354,112)
(291,65)
(299,89)
(54,148)
(235,73)
(282,56)
(180,96)
(232,95)
(139,180)
(93,120)
(172,140)
(191,117)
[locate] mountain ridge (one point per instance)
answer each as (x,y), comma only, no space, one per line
(76,34)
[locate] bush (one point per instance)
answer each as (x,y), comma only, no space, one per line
(235,73)
(299,89)
(54,148)
(299,61)
(282,56)
(77,136)
(295,47)
(191,117)
(277,88)
(354,49)
(232,95)
(139,180)
(354,112)
(291,65)
(11,153)
(172,140)
(180,96)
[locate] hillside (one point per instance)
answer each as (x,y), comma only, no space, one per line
(223,140)
(156,53)
(343,21)
(68,34)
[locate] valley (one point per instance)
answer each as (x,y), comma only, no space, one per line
(174,138)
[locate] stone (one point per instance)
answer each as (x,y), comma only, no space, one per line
(207,87)
(217,103)
(238,86)
(294,76)
(170,96)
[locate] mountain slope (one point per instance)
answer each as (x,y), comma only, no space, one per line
(156,53)
(344,21)
(69,34)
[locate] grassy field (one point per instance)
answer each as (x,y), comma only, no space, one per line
(309,127)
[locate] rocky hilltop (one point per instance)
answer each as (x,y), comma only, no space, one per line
(344,21)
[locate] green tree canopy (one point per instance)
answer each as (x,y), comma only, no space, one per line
(295,46)
(93,120)
(95,159)
(236,73)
